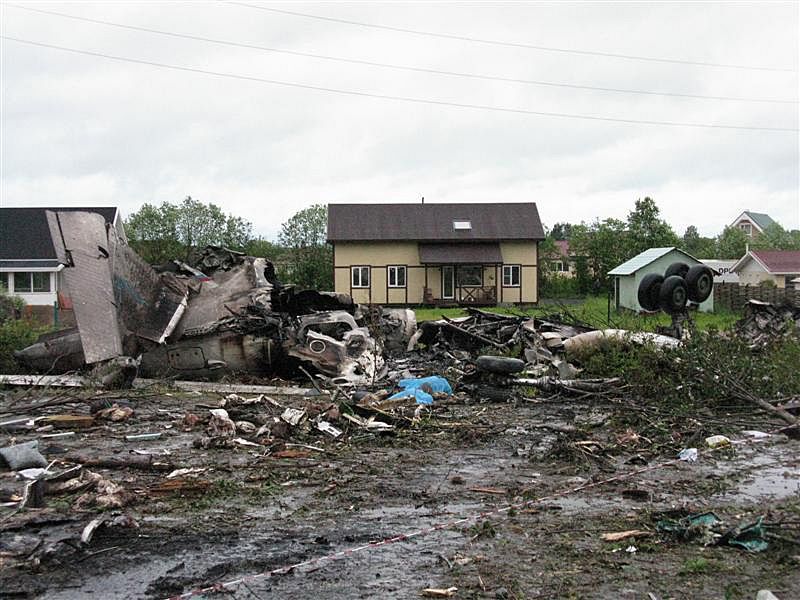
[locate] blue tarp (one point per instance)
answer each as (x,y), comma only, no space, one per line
(422,388)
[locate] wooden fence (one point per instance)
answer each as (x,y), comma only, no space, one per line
(732,296)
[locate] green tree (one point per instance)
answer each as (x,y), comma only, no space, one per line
(697,245)
(599,248)
(732,243)
(264,249)
(310,258)
(645,228)
(775,237)
(172,231)
(561,231)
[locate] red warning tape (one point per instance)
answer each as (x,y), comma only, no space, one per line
(448,525)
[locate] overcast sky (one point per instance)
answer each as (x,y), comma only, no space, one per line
(86,130)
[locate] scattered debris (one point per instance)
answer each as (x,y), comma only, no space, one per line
(439,592)
(624,535)
(23,456)
(717,441)
(763,322)
(708,529)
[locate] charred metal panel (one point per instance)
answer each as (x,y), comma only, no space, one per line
(88,280)
(228,293)
(148,304)
(186,358)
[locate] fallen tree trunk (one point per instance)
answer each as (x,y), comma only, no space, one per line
(227,388)
(551,384)
(136,461)
(743,393)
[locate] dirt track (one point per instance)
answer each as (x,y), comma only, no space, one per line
(259,513)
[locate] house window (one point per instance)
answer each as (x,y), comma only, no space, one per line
(397,276)
(359,277)
(747,228)
(462,224)
(511,274)
(470,275)
(31,282)
(560,266)
(3,282)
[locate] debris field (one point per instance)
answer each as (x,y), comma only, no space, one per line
(262,442)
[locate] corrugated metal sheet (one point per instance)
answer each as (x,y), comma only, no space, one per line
(640,260)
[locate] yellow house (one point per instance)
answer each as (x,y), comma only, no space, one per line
(481,254)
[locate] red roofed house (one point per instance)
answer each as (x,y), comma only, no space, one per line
(778,266)
(565,266)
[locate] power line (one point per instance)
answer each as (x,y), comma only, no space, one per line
(464,38)
(391,97)
(395,66)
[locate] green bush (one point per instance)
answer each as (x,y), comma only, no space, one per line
(711,369)
(559,286)
(16,334)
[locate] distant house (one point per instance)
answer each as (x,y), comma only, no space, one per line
(29,267)
(565,265)
(629,275)
(778,266)
(752,223)
(481,253)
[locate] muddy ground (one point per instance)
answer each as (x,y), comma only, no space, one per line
(259,508)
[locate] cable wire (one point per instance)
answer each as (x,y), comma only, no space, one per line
(464,38)
(396,66)
(391,97)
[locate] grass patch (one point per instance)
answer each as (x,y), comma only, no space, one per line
(696,566)
(593,311)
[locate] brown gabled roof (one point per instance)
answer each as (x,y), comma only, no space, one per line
(434,222)
(779,261)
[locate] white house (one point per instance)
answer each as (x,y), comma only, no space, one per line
(29,267)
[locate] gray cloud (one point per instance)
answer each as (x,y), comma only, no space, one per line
(84,130)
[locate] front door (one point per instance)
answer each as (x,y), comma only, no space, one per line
(448,282)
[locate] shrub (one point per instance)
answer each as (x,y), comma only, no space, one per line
(15,333)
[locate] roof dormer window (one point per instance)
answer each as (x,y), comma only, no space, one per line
(462,224)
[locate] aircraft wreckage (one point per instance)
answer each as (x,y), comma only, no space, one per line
(225,313)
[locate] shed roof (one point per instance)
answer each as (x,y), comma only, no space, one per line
(648,256)
(434,222)
(25,235)
(460,254)
(640,260)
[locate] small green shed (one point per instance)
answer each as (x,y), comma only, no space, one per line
(655,260)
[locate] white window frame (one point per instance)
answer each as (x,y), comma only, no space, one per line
(747,228)
(462,224)
(393,272)
(30,289)
(508,275)
(357,276)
